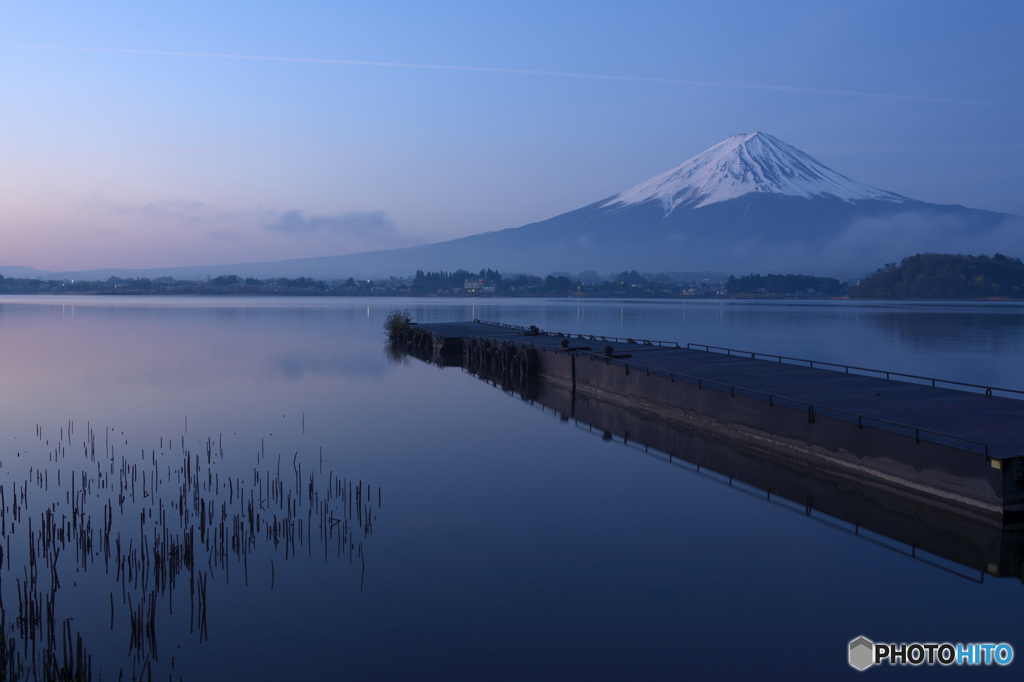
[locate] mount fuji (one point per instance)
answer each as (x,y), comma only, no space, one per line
(751,203)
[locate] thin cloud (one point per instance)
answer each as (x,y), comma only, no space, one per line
(523,72)
(352,223)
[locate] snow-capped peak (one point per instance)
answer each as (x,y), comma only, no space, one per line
(741,164)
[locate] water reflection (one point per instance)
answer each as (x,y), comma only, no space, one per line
(988,330)
(508,545)
(958,542)
(101,525)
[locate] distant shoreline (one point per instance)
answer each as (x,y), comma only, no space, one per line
(595,297)
(922,277)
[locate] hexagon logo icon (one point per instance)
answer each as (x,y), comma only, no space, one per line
(862,653)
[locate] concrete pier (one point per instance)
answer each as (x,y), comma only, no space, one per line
(977,547)
(949,445)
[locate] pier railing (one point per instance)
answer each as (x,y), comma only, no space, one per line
(583,337)
(813,411)
(863,371)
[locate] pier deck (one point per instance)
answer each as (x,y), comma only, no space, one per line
(962,443)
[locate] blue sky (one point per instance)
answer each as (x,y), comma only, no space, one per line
(162,134)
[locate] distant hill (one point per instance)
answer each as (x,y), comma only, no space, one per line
(17,271)
(945,276)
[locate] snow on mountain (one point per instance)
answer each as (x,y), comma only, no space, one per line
(743,164)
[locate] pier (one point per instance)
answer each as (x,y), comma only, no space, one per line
(950,446)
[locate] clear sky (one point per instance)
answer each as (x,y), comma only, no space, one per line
(160,134)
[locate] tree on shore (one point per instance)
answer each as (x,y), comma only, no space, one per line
(945,276)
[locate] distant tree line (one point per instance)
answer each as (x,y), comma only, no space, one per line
(945,276)
(432,282)
(923,276)
(785,285)
(486,282)
(225,284)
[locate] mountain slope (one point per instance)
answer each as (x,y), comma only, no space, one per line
(751,203)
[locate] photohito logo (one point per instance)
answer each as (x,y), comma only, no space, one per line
(864,653)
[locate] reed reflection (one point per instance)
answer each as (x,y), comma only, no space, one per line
(98,520)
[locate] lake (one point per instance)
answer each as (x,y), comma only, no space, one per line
(419,523)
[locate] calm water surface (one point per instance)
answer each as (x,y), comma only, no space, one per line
(506,543)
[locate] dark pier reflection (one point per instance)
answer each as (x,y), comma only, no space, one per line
(969,546)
